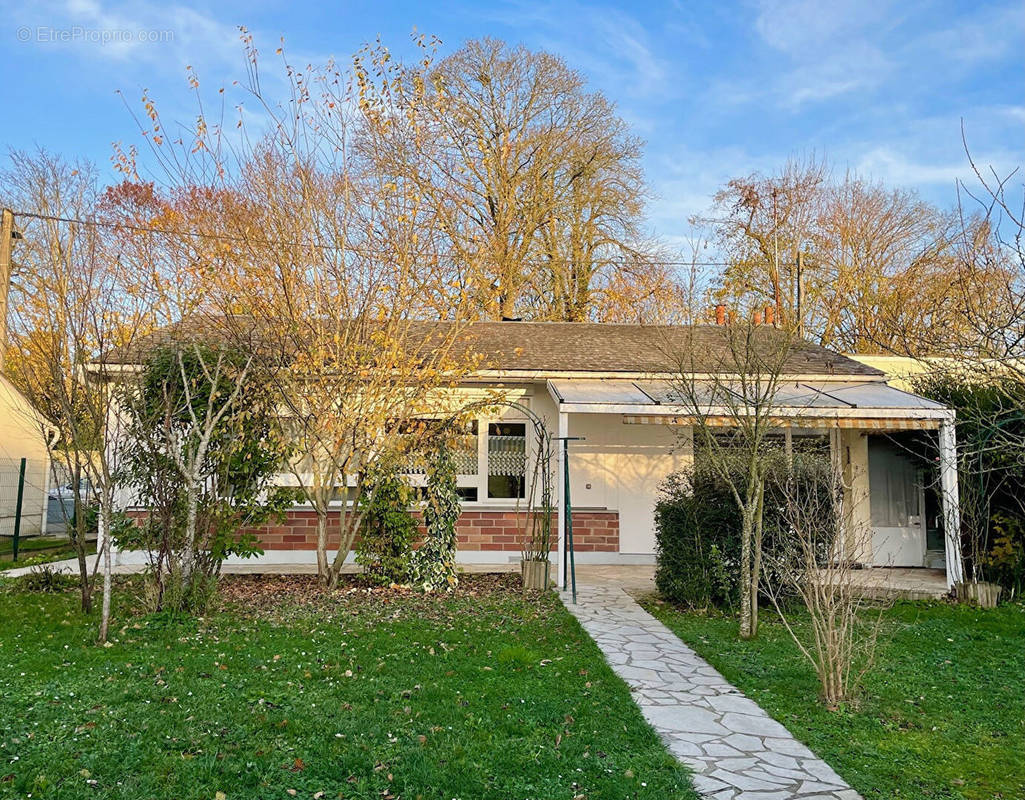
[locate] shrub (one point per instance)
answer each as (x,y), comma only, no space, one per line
(46,578)
(433,566)
(204,442)
(697,540)
(388,530)
(698,529)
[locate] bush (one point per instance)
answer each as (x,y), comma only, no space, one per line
(46,578)
(697,533)
(388,530)
(697,540)
(433,566)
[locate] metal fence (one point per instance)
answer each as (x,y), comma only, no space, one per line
(23,503)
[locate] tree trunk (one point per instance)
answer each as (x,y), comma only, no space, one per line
(78,540)
(756,558)
(746,534)
(192,510)
(323,567)
(104,536)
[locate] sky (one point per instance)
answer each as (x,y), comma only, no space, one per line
(716,89)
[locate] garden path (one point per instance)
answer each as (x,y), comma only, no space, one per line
(736,750)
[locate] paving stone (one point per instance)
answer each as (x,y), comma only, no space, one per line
(735,749)
(743,781)
(749,744)
(755,725)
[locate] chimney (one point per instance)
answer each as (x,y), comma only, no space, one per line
(770,315)
(756,317)
(720,314)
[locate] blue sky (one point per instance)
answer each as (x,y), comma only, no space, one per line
(717,89)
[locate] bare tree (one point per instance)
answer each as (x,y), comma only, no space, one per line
(74,300)
(814,566)
(535,181)
(878,264)
(329,262)
(733,411)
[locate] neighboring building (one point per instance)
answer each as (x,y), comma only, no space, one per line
(612,385)
(24,433)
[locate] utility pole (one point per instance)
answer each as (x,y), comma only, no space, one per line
(6,241)
(775,262)
(800,293)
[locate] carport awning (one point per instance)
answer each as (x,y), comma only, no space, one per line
(827,404)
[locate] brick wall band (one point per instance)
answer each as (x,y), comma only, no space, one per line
(593,531)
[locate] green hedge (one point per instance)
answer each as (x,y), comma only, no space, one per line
(697,540)
(697,530)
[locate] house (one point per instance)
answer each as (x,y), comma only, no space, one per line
(610,388)
(24,434)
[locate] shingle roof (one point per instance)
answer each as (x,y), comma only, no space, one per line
(561,347)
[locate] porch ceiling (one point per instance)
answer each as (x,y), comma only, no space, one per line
(872,405)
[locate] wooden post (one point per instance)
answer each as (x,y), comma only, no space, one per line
(800,294)
(6,240)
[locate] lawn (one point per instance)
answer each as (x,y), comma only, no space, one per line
(287,691)
(941,716)
(38,550)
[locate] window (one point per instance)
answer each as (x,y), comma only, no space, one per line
(490,458)
(507,460)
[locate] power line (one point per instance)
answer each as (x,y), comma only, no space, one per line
(310,245)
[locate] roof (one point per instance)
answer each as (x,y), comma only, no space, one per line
(551,348)
(801,401)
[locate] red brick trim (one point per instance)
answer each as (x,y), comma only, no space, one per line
(476,529)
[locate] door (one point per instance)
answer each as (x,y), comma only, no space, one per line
(896,504)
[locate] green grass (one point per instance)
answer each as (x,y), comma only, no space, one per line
(941,716)
(288,691)
(38,550)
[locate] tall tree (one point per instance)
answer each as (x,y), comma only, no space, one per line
(535,180)
(877,261)
(329,264)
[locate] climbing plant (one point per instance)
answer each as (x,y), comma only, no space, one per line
(433,566)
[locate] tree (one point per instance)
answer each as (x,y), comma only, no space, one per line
(535,181)
(203,444)
(733,412)
(877,262)
(309,248)
(843,622)
(73,299)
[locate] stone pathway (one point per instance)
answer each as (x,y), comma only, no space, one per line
(737,751)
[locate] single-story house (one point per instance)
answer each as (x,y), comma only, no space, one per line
(610,387)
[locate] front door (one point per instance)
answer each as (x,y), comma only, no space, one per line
(895,500)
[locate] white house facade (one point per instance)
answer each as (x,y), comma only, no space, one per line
(609,391)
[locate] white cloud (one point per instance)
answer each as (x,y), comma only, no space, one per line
(130,32)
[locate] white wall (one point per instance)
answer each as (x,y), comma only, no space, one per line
(619,467)
(22,435)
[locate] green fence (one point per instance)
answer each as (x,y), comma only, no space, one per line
(23,504)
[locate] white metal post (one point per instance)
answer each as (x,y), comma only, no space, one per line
(560,479)
(951,501)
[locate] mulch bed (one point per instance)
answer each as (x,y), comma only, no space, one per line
(259,594)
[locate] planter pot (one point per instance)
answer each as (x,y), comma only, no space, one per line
(984,595)
(536,575)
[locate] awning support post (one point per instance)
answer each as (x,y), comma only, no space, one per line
(563,432)
(951,502)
